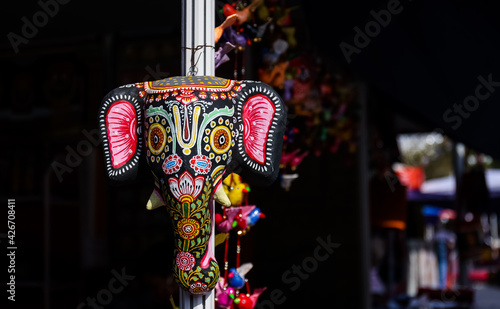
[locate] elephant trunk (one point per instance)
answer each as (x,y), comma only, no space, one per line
(195,268)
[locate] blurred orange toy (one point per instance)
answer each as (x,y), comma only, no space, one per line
(243,15)
(228,22)
(274,77)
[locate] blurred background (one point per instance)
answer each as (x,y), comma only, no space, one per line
(391,152)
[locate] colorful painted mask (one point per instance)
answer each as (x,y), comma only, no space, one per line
(192,130)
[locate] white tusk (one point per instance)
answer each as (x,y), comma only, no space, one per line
(221,197)
(155,201)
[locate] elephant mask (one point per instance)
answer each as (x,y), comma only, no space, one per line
(192,130)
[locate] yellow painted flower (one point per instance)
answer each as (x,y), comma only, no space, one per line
(188,228)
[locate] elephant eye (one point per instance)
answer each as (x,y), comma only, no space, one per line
(220,139)
(156,138)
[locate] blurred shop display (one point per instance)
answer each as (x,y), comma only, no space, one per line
(447,226)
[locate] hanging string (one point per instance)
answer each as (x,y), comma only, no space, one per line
(193,69)
(235,72)
(243,64)
(226,263)
(238,251)
(247,286)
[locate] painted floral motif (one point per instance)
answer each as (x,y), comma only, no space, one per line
(185,261)
(198,288)
(186,97)
(172,164)
(214,96)
(186,189)
(188,228)
(201,164)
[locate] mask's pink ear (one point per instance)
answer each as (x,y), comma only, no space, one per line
(120,121)
(261,119)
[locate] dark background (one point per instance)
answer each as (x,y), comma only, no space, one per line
(427,58)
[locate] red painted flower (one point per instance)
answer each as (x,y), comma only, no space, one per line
(185,260)
(214,96)
(202,95)
(172,164)
(198,288)
(186,97)
(201,164)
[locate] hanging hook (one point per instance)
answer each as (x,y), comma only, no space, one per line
(193,69)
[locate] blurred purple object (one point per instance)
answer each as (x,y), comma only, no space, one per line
(221,54)
(236,38)
(226,225)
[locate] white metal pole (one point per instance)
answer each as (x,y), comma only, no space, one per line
(198,24)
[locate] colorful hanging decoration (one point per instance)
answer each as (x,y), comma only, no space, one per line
(236,220)
(235,189)
(322,104)
(288,165)
(238,30)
